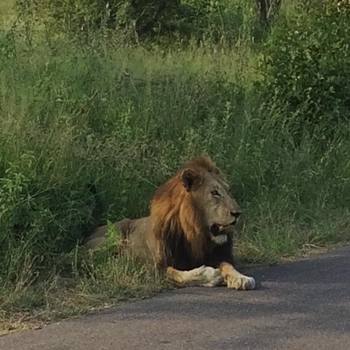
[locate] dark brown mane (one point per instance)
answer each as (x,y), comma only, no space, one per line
(174,216)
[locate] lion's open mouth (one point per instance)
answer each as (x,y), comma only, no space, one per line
(217,229)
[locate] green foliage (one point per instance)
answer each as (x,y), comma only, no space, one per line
(306,69)
(87,134)
(100,279)
(215,21)
(136,18)
(228,20)
(69,15)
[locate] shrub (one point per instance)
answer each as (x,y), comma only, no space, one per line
(138,19)
(306,69)
(228,20)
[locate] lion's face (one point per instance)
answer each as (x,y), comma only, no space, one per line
(210,194)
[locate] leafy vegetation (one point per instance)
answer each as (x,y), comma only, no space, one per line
(89,128)
(307,68)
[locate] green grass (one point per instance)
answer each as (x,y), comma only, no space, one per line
(87,132)
(7,13)
(99,283)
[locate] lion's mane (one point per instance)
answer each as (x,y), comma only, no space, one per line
(177,224)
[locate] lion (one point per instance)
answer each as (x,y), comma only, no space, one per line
(189,232)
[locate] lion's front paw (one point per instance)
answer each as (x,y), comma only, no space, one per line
(212,277)
(205,276)
(240,282)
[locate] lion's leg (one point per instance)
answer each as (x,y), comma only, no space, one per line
(235,279)
(201,276)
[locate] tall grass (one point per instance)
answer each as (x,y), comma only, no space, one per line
(7,13)
(87,134)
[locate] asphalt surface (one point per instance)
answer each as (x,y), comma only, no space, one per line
(299,305)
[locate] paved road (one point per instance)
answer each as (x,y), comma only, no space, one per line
(300,305)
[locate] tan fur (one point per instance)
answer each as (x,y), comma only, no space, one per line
(204,276)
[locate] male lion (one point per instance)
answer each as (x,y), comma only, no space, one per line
(189,231)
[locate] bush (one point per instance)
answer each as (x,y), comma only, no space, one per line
(139,19)
(215,21)
(306,69)
(135,17)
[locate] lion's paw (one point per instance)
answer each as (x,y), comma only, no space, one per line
(212,277)
(205,276)
(198,271)
(240,282)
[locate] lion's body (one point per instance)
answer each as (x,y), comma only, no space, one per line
(189,230)
(133,232)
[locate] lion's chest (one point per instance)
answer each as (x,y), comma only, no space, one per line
(180,254)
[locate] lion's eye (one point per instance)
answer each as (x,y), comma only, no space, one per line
(215,193)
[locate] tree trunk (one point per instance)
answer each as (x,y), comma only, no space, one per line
(267,9)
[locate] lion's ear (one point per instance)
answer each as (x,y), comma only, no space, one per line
(190,179)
